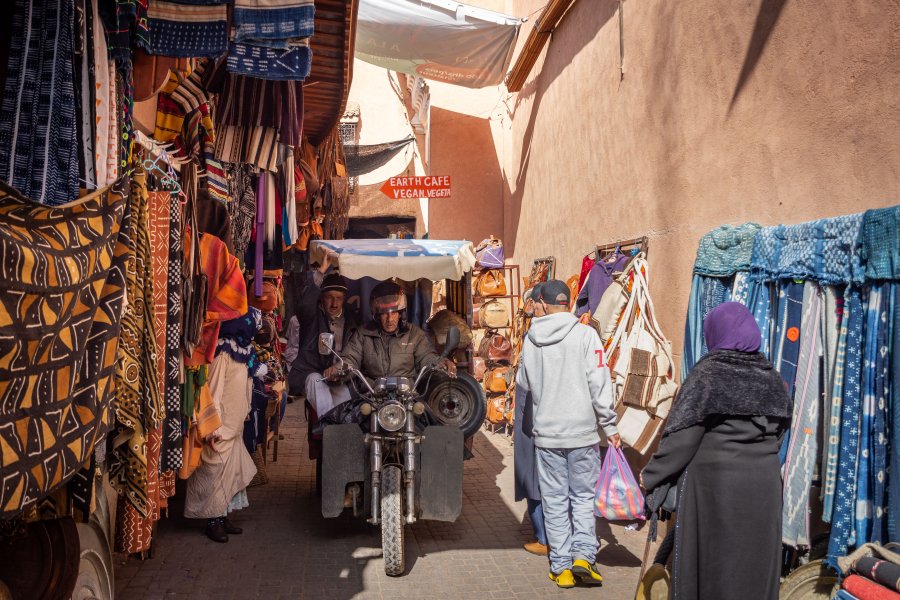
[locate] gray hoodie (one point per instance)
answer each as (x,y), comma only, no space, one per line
(564,368)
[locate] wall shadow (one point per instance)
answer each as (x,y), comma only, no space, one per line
(766,19)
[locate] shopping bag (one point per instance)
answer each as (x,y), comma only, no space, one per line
(617,497)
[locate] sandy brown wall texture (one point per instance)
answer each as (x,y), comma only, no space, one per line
(774,111)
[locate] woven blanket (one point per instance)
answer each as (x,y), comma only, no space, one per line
(293,64)
(825,251)
(188,31)
(726,250)
(61,301)
(881,243)
(257,22)
(38,130)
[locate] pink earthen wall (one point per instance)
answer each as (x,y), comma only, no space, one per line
(763,110)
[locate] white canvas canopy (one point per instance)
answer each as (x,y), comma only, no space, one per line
(408,260)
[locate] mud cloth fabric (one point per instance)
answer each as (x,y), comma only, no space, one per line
(62,286)
(187,31)
(789,309)
(729,505)
(880,250)
(802,449)
(226,468)
(126,25)
(291,64)
(134,532)
(842,523)
(726,250)
(825,251)
(836,321)
(39,143)
(272,21)
(173,437)
(139,405)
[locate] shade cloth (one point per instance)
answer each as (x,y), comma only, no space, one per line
(406,259)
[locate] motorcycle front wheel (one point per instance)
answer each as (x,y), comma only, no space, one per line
(392,545)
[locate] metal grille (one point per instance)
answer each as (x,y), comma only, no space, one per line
(349,135)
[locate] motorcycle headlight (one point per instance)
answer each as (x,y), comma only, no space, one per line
(391,417)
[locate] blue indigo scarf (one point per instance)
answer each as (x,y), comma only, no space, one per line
(726,250)
(825,251)
(38,130)
(293,64)
(188,31)
(835,333)
(288,19)
(894,482)
(880,250)
(843,534)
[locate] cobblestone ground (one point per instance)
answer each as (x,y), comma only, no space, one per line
(288,550)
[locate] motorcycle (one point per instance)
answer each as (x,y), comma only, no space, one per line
(400,469)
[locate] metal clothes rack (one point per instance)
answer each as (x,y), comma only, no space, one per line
(641,244)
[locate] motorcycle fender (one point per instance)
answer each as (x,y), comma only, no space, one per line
(343,461)
(440,487)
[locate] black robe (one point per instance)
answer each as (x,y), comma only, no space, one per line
(728,519)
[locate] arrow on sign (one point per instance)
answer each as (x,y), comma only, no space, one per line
(425,186)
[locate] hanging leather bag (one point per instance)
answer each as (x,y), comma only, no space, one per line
(490,283)
(495,348)
(493,314)
(496,380)
(479,368)
(496,410)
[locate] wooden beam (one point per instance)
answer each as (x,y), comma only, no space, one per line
(537,38)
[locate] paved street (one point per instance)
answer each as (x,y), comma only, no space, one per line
(288,550)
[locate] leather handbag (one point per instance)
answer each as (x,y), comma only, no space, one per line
(496,410)
(493,314)
(497,380)
(489,254)
(495,348)
(441,321)
(479,368)
(490,283)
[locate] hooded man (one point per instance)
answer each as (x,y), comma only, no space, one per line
(564,369)
(321,310)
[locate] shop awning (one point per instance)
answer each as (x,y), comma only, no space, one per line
(441,40)
(325,90)
(405,259)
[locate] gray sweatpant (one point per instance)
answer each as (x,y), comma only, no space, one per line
(568,477)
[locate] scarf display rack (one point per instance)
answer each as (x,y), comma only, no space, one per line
(826,296)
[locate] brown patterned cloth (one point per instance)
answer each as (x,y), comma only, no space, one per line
(62,282)
(139,405)
(134,532)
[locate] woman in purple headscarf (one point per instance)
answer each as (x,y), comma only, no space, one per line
(720,446)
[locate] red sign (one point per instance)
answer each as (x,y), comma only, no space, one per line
(424,186)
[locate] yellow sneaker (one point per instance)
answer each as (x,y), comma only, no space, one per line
(564,579)
(586,572)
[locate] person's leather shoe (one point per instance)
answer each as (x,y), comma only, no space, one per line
(586,572)
(537,548)
(232,529)
(215,530)
(564,579)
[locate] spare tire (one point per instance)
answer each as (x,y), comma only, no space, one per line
(457,402)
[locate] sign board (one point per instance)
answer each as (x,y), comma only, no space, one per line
(424,186)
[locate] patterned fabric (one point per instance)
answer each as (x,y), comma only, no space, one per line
(257,146)
(880,250)
(101,100)
(251,102)
(726,250)
(291,64)
(802,451)
(835,334)
(894,481)
(112,135)
(173,438)
(62,278)
(842,534)
(787,332)
(139,406)
(226,299)
(243,210)
(126,25)
(188,31)
(740,288)
(872,470)
(160,206)
(759,300)
(273,21)
(38,130)
(134,532)
(825,251)
(706,294)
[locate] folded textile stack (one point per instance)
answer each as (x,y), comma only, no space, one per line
(271,39)
(872,573)
(858,587)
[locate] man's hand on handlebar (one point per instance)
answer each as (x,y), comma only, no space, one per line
(333,373)
(448,366)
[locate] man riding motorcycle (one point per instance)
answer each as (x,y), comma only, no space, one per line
(391,346)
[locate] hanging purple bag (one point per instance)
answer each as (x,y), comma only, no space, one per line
(489,254)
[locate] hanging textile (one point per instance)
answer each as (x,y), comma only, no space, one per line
(802,451)
(257,146)
(139,407)
(252,102)
(726,250)
(38,131)
(172,433)
(126,26)
(134,531)
(187,31)
(61,301)
(881,243)
(362,159)
(789,309)
(842,523)
(291,64)
(243,209)
(101,109)
(894,481)
(825,251)
(835,321)
(273,22)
